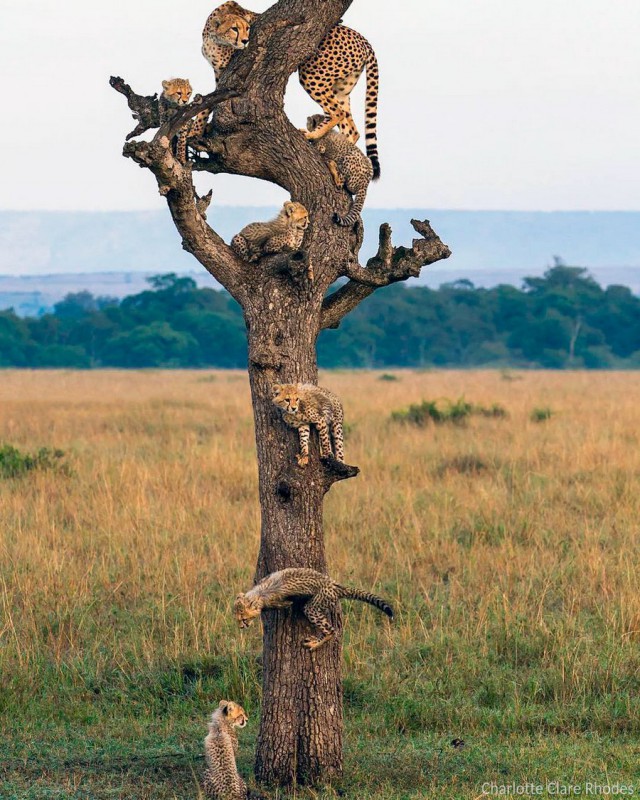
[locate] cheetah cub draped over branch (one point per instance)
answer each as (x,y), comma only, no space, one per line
(281,235)
(305,404)
(278,590)
(348,165)
(222,780)
(176,92)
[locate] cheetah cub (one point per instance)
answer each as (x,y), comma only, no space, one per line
(347,163)
(283,234)
(303,405)
(221,779)
(278,590)
(176,92)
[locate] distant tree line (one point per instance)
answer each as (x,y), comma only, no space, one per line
(564,319)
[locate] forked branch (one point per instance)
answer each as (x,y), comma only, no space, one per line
(144,108)
(390,265)
(176,184)
(199,104)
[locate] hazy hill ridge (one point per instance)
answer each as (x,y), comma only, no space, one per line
(489,247)
(118,241)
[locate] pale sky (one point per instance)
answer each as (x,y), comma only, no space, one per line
(485,104)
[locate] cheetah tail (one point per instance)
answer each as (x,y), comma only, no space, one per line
(356,594)
(354,211)
(371,114)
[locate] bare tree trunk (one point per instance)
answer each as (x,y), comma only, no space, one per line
(301,725)
(300,737)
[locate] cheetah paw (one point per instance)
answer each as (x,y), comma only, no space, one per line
(302,461)
(311,643)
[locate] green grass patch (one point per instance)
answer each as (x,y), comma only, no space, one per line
(14,463)
(446,411)
(541,414)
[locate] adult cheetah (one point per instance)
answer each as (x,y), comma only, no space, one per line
(328,76)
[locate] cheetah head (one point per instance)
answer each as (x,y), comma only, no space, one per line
(245,610)
(296,214)
(231,31)
(177,91)
(233,714)
(286,397)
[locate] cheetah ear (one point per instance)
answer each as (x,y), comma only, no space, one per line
(276,388)
(289,208)
(224,707)
(166,84)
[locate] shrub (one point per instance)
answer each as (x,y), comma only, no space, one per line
(541,414)
(495,410)
(388,376)
(433,411)
(441,411)
(14,463)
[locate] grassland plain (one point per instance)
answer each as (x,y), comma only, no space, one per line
(510,548)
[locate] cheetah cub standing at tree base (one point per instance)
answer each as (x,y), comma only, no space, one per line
(348,165)
(305,404)
(176,92)
(278,590)
(221,779)
(226,30)
(283,234)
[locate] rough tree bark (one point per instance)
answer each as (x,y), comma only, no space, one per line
(300,737)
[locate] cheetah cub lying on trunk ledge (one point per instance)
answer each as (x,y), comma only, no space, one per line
(305,404)
(282,235)
(348,165)
(221,779)
(278,590)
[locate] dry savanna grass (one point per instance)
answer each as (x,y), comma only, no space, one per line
(509,547)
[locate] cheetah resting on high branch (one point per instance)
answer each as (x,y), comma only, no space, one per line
(222,780)
(348,165)
(305,404)
(282,234)
(278,590)
(226,30)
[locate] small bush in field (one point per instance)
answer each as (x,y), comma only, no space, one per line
(14,463)
(495,410)
(388,376)
(541,414)
(441,411)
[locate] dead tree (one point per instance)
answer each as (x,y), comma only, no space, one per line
(300,737)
